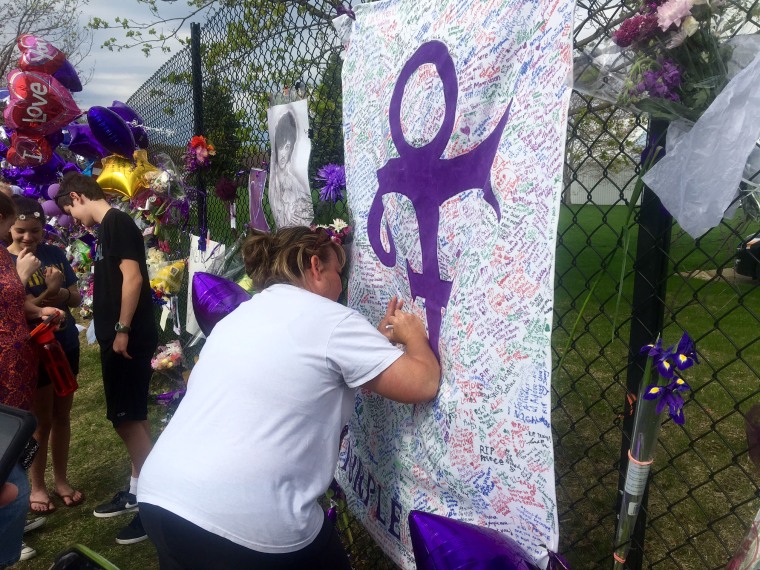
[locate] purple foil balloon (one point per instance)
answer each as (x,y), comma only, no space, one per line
(441,543)
(67,76)
(126,112)
(111,131)
(65,221)
(44,173)
(84,143)
(214,298)
(55,138)
(141,136)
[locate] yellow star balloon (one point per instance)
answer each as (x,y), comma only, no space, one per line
(120,176)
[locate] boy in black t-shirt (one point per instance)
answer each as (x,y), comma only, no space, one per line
(124,327)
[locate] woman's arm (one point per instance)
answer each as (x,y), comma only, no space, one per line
(415,377)
(34,312)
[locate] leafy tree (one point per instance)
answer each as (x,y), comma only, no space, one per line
(56,21)
(258,17)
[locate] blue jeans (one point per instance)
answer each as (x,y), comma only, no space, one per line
(13,518)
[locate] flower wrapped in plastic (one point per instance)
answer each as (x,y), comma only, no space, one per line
(165,204)
(168,357)
(686,61)
(168,278)
(665,365)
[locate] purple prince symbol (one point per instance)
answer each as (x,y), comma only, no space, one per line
(420,174)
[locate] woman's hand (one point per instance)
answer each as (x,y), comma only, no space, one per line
(53,280)
(26,264)
(385,327)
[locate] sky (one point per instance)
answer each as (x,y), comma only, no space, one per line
(117,75)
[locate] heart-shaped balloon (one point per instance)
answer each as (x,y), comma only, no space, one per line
(28,150)
(39,55)
(111,131)
(120,176)
(84,143)
(68,77)
(39,104)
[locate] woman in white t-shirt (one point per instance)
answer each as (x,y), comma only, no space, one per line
(234,479)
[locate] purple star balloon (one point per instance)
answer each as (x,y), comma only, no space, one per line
(214,298)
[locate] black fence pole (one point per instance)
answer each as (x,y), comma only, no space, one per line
(647,316)
(195,56)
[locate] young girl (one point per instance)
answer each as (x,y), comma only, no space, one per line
(54,284)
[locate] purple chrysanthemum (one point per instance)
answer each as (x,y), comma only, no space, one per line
(334,177)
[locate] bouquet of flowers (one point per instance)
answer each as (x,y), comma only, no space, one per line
(664,392)
(168,357)
(165,204)
(685,61)
(198,154)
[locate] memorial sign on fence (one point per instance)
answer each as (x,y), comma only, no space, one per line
(455,119)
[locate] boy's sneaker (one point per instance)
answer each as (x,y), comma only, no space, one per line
(32,523)
(132,533)
(27,552)
(122,503)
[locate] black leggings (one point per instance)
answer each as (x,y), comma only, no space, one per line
(183,545)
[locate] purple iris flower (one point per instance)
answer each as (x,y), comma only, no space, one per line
(669,396)
(661,358)
(685,355)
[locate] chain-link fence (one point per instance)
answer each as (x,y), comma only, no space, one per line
(609,299)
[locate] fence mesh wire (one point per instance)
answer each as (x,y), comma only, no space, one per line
(703,487)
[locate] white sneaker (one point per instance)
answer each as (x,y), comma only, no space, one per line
(27,552)
(32,523)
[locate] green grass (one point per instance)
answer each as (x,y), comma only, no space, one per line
(703,485)
(98,466)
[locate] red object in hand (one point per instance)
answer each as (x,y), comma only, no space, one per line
(54,359)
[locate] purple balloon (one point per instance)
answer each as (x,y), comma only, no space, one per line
(126,112)
(51,208)
(441,543)
(70,167)
(67,76)
(214,298)
(64,220)
(84,143)
(53,190)
(111,131)
(44,173)
(141,137)
(55,138)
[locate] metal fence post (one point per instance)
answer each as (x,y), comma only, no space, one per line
(195,55)
(647,315)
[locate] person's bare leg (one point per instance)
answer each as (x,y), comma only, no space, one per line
(39,499)
(136,436)
(60,439)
